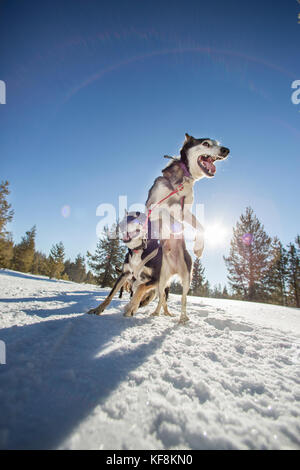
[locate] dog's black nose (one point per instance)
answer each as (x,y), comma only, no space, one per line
(224,151)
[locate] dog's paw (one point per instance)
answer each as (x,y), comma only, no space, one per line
(169,314)
(198,252)
(128,311)
(95,311)
(154,314)
(183,319)
(198,247)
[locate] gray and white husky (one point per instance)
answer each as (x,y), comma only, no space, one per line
(141,268)
(167,213)
(156,245)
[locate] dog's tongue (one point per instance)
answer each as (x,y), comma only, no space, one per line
(209,164)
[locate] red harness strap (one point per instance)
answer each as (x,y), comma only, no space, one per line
(177,190)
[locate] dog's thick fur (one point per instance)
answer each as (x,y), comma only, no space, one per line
(197,157)
(165,230)
(141,268)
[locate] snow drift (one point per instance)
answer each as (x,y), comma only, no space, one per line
(229,379)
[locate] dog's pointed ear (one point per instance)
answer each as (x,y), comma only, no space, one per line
(187,137)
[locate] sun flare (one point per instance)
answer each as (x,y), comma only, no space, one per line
(215,234)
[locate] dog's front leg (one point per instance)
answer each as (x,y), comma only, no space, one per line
(190,218)
(118,284)
(198,246)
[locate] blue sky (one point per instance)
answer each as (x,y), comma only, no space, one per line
(98,92)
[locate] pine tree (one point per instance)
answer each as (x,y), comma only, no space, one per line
(56,261)
(276,276)
(198,278)
(90,278)
(24,252)
(217,292)
(294,272)
(249,257)
(225,294)
(108,256)
(206,290)
(68,268)
(176,288)
(40,264)
(76,271)
(80,272)
(6,215)
(6,251)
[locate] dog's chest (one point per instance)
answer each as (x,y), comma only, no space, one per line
(135,262)
(162,196)
(187,189)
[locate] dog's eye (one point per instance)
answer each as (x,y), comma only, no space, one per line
(206,144)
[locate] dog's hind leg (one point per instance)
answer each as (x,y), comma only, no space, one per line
(186,280)
(165,305)
(185,288)
(146,300)
(161,299)
(158,307)
(118,285)
(166,310)
(138,295)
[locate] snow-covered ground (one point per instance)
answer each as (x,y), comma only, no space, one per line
(227,379)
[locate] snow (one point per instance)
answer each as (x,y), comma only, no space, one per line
(228,379)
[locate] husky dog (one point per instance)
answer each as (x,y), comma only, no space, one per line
(127,286)
(142,265)
(167,214)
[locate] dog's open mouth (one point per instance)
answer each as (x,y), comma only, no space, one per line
(206,164)
(127,237)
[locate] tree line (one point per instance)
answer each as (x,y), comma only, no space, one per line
(259,267)
(24,257)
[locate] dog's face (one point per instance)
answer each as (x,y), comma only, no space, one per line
(200,156)
(133,229)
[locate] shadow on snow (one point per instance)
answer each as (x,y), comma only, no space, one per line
(53,378)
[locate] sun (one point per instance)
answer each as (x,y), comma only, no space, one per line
(216,234)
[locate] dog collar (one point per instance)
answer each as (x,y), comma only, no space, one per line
(185,170)
(139,248)
(182,164)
